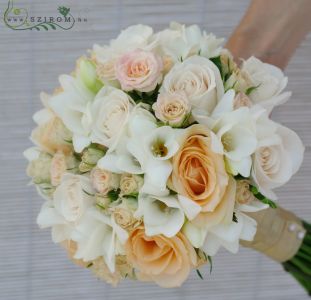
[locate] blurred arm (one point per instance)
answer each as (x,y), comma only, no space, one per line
(271,30)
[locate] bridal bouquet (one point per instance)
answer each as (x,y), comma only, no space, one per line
(155,151)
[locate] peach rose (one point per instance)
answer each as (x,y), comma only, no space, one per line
(58,168)
(243,194)
(123,270)
(103,181)
(166,261)
(139,70)
(199,173)
(52,136)
(71,248)
(172,108)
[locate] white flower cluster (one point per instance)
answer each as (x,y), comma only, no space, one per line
(154,150)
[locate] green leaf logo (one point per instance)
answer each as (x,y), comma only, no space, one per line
(64,11)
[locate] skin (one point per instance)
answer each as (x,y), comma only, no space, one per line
(271,30)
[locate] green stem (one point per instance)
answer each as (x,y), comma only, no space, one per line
(300,265)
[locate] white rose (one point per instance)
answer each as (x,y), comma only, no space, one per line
(140,123)
(172,108)
(269,82)
(197,77)
(110,111)
(278,156)
(106,70)
(103,181)
(130,183)
(133,37)
(180,42)
(71,199)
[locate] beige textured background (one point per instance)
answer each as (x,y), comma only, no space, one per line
(31,266)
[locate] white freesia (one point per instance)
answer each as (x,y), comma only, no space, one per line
(32,153)
(46,114)
(269,81)
(145,149)
(98,235)
(140,123)
(228,235)
(180,42)
(153,153)
(71,199)
(234,133)
(278,156)
(72,105)
(162,215)
(195,234)
(110,111)
(224,234)
(200,80)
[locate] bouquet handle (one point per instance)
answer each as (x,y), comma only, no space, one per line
(285,238)
(279,233)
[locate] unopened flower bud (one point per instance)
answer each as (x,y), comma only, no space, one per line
(90,158)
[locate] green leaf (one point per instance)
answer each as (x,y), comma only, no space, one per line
(234,218)
(186,121)
(239,177)
(63,10)
(100,206)
(251,89)
(68,141)
(92,195)
(211,264)
(45,27)
(132,195)
(199,274)
(52,26)
(217,61)
(172,192)
(148,98)
(113,195)
(261,197)
(299,266)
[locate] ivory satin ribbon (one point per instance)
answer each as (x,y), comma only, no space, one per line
(279,233)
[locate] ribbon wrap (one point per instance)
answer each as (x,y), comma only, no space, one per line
(279,234)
